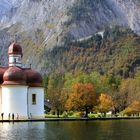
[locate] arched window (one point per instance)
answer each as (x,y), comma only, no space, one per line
(33,99)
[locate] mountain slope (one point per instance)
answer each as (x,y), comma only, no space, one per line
(117,53)
(42,25)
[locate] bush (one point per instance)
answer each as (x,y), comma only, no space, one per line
(52,112)
(70,113)
(65,114)
(80,114)
(92,115)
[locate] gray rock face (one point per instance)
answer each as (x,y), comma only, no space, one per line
(46,22)
(33,12)
(89,16)
(93,16)
(131,8)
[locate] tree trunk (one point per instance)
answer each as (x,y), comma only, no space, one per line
(86,115)
(57,113)
(105,114)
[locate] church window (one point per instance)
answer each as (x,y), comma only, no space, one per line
(15,60)
(33,99)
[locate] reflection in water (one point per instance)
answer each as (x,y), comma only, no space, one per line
(71,130)
(22,131)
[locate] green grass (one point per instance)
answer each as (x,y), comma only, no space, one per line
(52,116)
(79,115)
(74,115)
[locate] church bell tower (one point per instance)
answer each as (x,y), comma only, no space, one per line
(15,55)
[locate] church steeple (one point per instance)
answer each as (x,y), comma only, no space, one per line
(15,54)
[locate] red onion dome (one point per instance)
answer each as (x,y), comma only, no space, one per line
(14,76)
(14,48)
(34,78)
(2,70)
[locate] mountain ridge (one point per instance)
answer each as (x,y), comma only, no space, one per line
(43,25)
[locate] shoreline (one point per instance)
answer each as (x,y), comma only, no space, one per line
(69,119)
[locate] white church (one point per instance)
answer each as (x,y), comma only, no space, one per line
(21,90)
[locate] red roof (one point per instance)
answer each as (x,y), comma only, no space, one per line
(33,78)
(14,48)
(14,75)
(18,76)
(2,70)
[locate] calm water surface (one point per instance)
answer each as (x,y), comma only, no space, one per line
(72,130)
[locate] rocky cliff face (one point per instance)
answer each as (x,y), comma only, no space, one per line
(131,8)
(37,24)
(43,24)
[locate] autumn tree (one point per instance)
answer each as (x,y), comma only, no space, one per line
(100,82)
(105,104)
(137,84)
(133,108)
(78,77)
(45,84)
(114,83)
(55,93)
(95,78)
(127,93)
(82,98)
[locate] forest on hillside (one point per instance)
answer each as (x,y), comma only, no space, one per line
(117,53)
(96,74)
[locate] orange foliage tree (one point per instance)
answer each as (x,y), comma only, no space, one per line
(82,98)
(128,92)
(105,103)
(133,108)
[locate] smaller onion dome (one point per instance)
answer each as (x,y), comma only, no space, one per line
(2,70)
(14,48)
(14,76)
(34,79)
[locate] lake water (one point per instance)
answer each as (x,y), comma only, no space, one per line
(71,130)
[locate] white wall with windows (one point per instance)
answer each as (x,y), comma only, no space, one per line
(36,102)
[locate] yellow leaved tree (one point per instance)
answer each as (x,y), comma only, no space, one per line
(105,104)
(82,98)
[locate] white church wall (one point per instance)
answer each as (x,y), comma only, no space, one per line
(14,100)
(36,109)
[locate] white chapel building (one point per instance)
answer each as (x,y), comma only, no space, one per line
(21,90)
